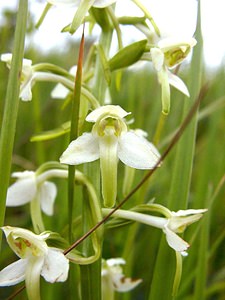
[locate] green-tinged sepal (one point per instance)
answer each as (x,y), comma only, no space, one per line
(108,163)
(101,17)
(83,8)
(128,55)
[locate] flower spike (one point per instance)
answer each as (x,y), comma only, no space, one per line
(110,140)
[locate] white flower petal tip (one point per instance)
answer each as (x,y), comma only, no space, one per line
(115,261)
(112,270)
(110,110)
(170,43)
(56,266)
(136,152)
(13,273)
(84,149)
(23,190)
(176,82)
(47,195)
(174,241)
(188,212)
(123,284)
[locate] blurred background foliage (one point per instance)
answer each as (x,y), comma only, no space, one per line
(136,89)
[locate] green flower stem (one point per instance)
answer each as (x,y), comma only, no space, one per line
(100,85)
(43,15)
(148,16)
(181,178)
(11,107)
(154,221)
(178,273)
(36,216)
(116,25)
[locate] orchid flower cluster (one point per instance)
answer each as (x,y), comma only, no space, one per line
(104,133)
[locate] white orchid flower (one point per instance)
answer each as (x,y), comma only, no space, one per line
(27,76)
(36,259)
(176,23)
(110,140)
(175,222)
(27,188)
(31,74)
(169,53)
(113,278)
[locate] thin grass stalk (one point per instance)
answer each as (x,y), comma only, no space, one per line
(181,178)
(88,272)
(11,107)
(74,133)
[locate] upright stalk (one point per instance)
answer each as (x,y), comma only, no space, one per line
(11,107)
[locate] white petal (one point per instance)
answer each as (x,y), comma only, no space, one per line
(47,194)
(176,82)
(174,241)
(7,57)
(21,192)
(115,261)
(59,92)
(56,266)
(123,284)
(171,43)
(157,58)
(187,212)
(14,273)
(137,152)
(25,90)
(115,110)
(83,149)
(103,3)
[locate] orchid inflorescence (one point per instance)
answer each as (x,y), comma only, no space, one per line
(105,134)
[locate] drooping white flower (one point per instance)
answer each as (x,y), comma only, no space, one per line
(177,223)
(176,20)
(113,278)
(31,74)
(27,76)
(110,140)
(28,188)
(173,223)
(36,259)
(169,53)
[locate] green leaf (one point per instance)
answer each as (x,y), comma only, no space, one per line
(11,106)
